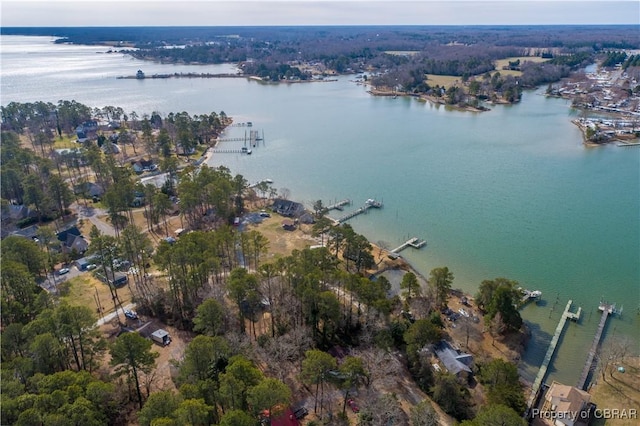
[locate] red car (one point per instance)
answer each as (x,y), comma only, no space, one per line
(352,404)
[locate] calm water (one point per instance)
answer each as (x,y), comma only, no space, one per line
(507,193)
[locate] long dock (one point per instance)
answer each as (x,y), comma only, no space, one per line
(231,151)
(339,205)
(370,203)
(414,242)
(606,311)
(567,314)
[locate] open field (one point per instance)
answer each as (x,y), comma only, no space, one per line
(443,80)
(505,62)
(402,52)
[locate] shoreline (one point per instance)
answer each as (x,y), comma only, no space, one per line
(426,98)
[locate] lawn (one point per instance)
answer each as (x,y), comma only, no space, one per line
(281,242)
(86,290)
(622,391)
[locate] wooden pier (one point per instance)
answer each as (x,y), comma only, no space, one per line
(231,151)
(629,144)
(232,140)
(607,310)
(339,205)
(370,203)
(537,384)
(414,242)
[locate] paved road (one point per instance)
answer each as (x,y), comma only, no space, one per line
(91,213)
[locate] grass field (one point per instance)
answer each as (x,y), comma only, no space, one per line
(65,142)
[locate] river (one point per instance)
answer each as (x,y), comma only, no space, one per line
(507,193)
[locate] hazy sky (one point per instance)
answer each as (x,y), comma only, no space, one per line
(315,12)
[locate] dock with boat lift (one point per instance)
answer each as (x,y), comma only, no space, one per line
(529,295)
(607,309)
(369,204)
(414,242)
(339,205)
(542,373)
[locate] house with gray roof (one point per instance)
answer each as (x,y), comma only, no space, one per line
(456,362)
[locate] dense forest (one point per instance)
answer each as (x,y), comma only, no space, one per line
(215,285)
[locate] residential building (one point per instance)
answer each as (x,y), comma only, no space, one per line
(565,405)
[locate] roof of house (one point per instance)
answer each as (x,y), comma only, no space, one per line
(565,398)
(287,207)
(454,361)
(28,232)
(19,212)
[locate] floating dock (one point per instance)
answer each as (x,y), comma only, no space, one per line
(607,310)
(369,204)
(567,314)
(629,144)
(414,242)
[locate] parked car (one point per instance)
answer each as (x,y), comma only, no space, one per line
(354,407)
(130,314)
(63,271)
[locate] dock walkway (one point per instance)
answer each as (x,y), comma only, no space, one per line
(231,151)
(414,242)
(370,203)
(339,205)
(606,311)
(549,355)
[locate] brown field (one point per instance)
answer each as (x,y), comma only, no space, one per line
(444,80)
(620,392)
(504,62)
(402,52)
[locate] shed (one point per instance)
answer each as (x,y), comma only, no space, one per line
(161,337)
(288,225)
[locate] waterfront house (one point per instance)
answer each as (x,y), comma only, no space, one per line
(287,208)
(565,405)
(456,362)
